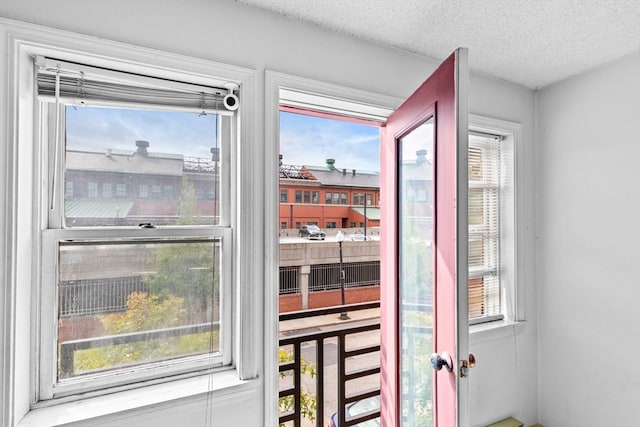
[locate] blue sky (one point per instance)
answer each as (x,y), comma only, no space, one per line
(167,131)
(307,140)
(304,139)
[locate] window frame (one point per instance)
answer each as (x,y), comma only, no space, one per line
(22,248)
(511,224)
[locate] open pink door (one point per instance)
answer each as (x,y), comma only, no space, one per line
(424,255)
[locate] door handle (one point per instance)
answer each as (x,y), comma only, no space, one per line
(438,361)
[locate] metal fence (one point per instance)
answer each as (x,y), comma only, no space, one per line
(327,276)
(289,280)
(95,296)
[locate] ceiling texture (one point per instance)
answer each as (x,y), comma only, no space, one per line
(530,42)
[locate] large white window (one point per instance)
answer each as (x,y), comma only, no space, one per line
(132,288)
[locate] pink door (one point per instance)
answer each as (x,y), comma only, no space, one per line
(424,256)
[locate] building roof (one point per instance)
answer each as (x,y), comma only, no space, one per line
(76,208)
(372,213)
(345,177)
(112,160)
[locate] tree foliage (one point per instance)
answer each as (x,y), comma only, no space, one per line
(308,401)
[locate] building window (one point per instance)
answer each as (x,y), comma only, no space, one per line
(284,196)
(336,198)
(356,199)
(162,307)
(328,197)
(107,190)
(283,225)
(298,196)
(369,199)
(315,197)
(298,225)
(68,190)
(344,199)
(156,191)
(307,197)
(352,224)
(143,191)
(92,190)
(331,224)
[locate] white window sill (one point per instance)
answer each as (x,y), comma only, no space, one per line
(495,330)
(111,405)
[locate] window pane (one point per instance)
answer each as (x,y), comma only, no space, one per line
(127,304)
(105,151)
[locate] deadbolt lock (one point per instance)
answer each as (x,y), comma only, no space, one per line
(465,365)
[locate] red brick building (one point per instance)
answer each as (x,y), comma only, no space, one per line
(328,196)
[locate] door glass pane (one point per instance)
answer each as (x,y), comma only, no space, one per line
(416,208)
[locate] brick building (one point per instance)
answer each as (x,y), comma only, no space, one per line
(328,196)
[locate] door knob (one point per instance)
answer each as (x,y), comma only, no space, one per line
(438,361)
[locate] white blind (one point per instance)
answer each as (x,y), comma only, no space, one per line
(484,225)
(81,84)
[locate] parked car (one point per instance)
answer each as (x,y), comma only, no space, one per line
(358,408)
(359,237)
(312,232)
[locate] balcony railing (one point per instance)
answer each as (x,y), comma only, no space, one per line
(319,338)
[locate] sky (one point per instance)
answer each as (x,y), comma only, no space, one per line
(190,134)
(308,140)
(304,140)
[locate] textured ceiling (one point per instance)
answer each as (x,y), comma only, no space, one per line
(530,42)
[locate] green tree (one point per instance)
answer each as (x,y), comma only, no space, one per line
(144,312)
(187,270)
(307,399)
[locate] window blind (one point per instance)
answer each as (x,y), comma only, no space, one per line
(484,225)
(81,84)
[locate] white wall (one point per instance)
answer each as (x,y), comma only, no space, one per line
(504,382)
(588,208)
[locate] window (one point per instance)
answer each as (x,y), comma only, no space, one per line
(92,190)
(331,224)
(490,192)
(143,191)
(284,196)
(336,198)
(298,196)
(343,199)
(356,199)
(307,197)
(132,303)
(315,197)
(68,192)
(107,190)
(328,197)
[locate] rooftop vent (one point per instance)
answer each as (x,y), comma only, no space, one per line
(331,164)
(142,147)
(421,156)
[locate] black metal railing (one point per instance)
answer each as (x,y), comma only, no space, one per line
(344,376)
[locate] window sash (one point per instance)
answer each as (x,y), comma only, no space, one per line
(53,120)
(49,387)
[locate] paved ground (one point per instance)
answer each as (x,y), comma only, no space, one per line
(289,327)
